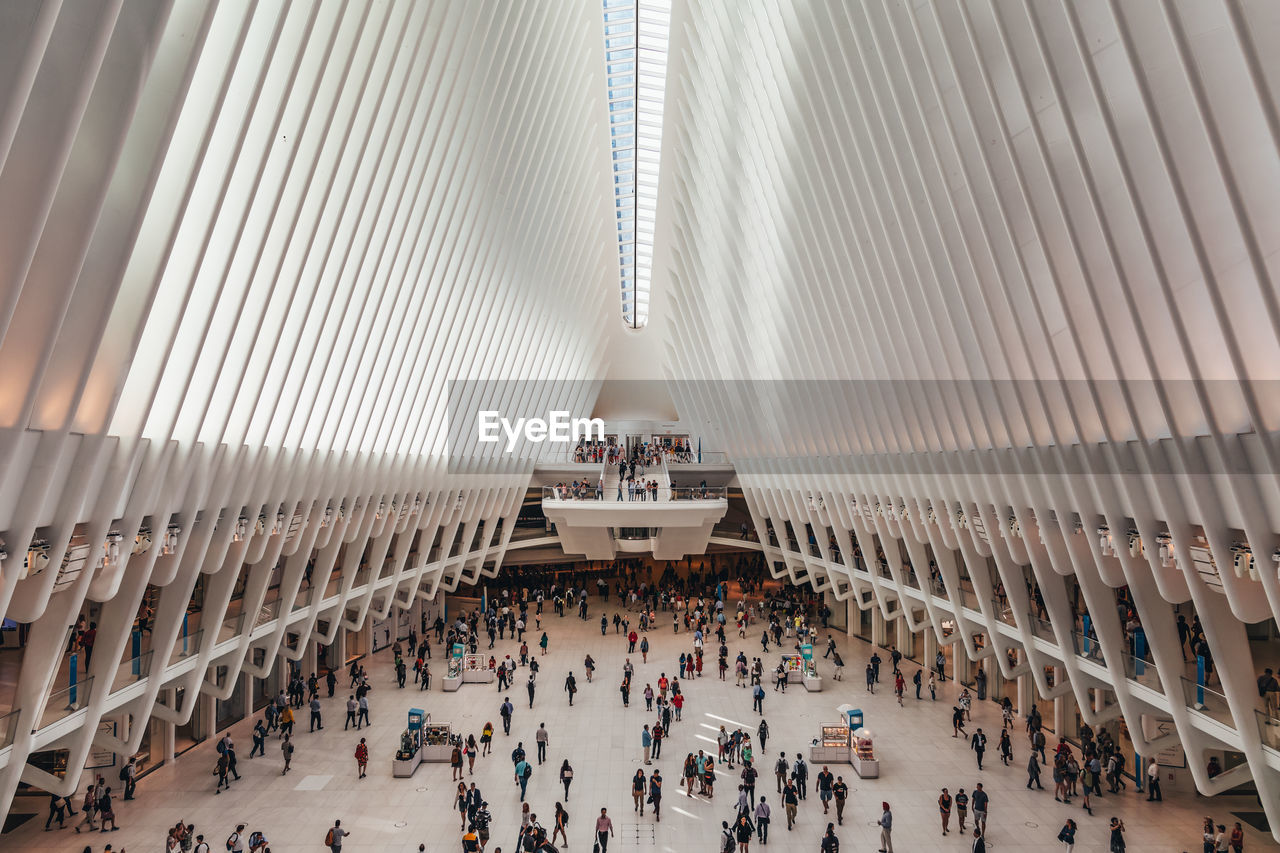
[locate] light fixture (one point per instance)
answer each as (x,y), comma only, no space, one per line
(327,517)
(279,525)
(112,549)
(1104,541)
(37,556)
(962,520)
(1165,541)
(242,529)
(931,515)
(1135,544)
(142,541)
(171,538)
(1243,559)
(1015,529)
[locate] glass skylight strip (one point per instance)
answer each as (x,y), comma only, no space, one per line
(636,35)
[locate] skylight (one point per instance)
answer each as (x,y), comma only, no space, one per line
(635,36)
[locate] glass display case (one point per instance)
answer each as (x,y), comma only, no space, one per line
(864,755)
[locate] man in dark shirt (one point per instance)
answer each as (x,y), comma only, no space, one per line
(824,784)
(841,792)
(978,743)
(979,803)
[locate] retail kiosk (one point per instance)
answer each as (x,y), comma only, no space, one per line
(409,756)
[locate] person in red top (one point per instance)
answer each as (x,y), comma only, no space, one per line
(632,639)
(677,702)
(663,686)
(698,665)
(362,756)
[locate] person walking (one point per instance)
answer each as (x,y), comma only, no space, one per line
(823,784)
(362,719)
(743,829)
(604,829)
(529,686)
(944,810)
(1033,771)
(286,749)
(362,757)
(1067,835)
(886,829)
(316,722)
(646,742)
(542,737)
(561,828)
(566,778)
(524,771)
(978,743)
(89,808)
(981,803)
(762,821)
(570,687)
(638,790)
(655,794)
(790,801)
(757,704)
(763,732)
(505,711)
(333,838)
(1153,786)
(841,791)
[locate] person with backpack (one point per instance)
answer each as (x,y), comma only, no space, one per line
(235,841)
(505,712)
(566,778)
(830,843)
(333,838)
(362,757)
(258,842)
(524,771)
(220,768)
(129,776)
(202,846)
(726,837)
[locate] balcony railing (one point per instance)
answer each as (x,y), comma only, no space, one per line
(1142,671)
(65,702)
(186,646)
(694,457)
(132,670)
(8,727)
(699,493)
(1209,702)
(570,493)
(1268,729)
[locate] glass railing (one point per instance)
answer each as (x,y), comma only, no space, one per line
(814,550)
(8,727)
(698,457)
(1042,629)
(773,539)
(699,493)
(836,556)
(1087,647)
(792,545)
(572,493)
(1004,612)
(65,702)
(1207,701)
(186,646)
(1268,729)
(909,578)
(269,611)
(968,598)
(230,627)
(1142,671)
(938,588)
(132,670)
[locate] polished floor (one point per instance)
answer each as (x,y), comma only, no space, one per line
(602,741)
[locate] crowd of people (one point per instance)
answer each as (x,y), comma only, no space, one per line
(634,599)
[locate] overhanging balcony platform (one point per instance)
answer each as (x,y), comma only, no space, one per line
(678,523)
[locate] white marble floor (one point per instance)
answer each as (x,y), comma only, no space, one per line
(602,741)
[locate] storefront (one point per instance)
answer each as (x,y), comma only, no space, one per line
(194,731)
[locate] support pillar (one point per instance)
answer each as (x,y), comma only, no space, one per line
(879,628)
(1023,693)
(852,617)
(1059,705)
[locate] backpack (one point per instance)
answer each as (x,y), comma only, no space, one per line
(528,771)
(222,747)
(726,842)
(231,841)
(124,772)
(328,838)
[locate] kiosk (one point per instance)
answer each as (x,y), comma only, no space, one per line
(409,756)
(438,742)
(834,746)
(475,670)
(453,675)
(802,671)
(864,756)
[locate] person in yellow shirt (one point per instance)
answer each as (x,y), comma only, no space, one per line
(471,841)
(286,721)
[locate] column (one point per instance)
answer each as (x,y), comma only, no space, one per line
(851,616)
(1024,698)
(879,628)
(1059,705)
